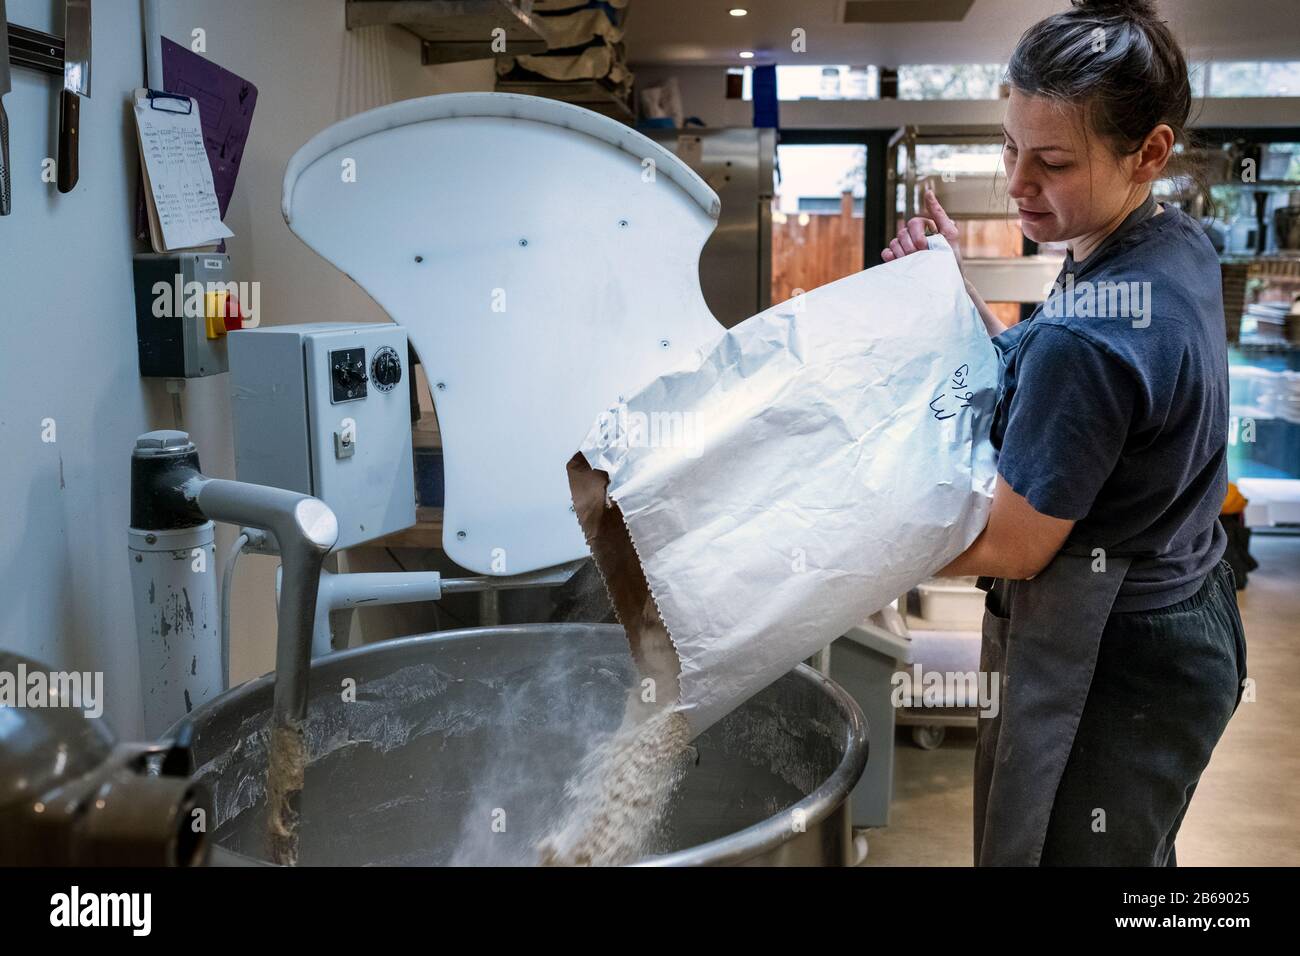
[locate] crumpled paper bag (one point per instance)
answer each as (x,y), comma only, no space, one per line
(822,458)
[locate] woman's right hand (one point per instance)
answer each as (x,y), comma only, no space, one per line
(912,234)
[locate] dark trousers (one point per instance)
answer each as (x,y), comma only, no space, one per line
(1166,684)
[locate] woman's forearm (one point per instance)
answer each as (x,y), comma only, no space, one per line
(991,322)
(979,560)
(1017,542)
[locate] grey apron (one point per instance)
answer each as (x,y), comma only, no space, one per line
(1040,641)
(1042,652)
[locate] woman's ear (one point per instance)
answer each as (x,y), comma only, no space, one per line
(1154,155)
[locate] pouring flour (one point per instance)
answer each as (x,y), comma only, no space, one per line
(822,458)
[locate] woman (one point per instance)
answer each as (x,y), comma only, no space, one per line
(1110,616)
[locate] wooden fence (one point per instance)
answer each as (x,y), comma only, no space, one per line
(828,246)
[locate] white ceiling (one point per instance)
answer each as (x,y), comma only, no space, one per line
(700,32)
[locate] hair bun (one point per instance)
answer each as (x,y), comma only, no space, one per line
(1134,9)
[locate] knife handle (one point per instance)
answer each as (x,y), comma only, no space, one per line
(5,198)
(69,124)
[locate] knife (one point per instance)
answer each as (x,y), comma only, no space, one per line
(5,85)
(76,84)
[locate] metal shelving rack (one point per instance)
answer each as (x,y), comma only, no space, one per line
(1012,279)
(451,31)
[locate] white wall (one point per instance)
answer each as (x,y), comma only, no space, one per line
(68,351)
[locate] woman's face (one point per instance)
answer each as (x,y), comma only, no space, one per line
(1066,184)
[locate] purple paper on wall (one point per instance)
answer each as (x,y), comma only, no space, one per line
(226,103)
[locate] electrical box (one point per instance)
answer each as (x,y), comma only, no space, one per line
(182,305)
(324,409)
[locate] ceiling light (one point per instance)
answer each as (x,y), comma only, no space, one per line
(747,54)
(738,11)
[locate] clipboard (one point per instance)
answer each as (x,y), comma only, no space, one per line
(180,197)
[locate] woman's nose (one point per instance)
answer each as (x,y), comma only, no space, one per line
(1019,185)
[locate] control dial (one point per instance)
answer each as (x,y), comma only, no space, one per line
(386,369)
(348,374)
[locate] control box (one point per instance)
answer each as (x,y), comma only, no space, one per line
(324,408)
(184,306)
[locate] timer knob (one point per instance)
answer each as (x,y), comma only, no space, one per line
(386,369)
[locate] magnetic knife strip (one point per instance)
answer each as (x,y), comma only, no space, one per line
(35,50)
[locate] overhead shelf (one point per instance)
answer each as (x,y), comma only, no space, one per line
(455,30)
(591,94)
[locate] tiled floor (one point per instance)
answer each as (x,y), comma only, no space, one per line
(1245,811)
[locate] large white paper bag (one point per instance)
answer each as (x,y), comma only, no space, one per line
(825,456)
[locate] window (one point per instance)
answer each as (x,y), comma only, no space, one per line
(936,159)
(819,82)
(963,81)
(1244,78)
(983,81)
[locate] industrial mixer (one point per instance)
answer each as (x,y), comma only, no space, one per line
(533,306)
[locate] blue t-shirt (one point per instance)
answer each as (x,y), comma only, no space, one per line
(1114,410)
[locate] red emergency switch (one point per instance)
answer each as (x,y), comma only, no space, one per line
(234,317)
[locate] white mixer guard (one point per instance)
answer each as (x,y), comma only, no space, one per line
(544,260)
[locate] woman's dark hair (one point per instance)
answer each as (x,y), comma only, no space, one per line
(1117,60)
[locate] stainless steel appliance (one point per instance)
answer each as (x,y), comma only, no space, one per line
(450,731)
(739,164)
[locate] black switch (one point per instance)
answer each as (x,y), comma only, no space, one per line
(348,375)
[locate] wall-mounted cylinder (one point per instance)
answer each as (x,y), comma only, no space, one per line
(174,587)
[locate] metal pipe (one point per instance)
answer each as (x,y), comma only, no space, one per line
(546,577)
(340,592)
(153,46)
(821,661)
(227,585)
(489,607)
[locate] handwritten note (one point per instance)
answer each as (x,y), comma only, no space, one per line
(183,209)
(957,396)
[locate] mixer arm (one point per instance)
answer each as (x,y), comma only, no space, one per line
(305,529)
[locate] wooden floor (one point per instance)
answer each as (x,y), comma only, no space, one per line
(1245,810)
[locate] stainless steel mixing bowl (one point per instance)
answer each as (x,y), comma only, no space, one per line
(458,744)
